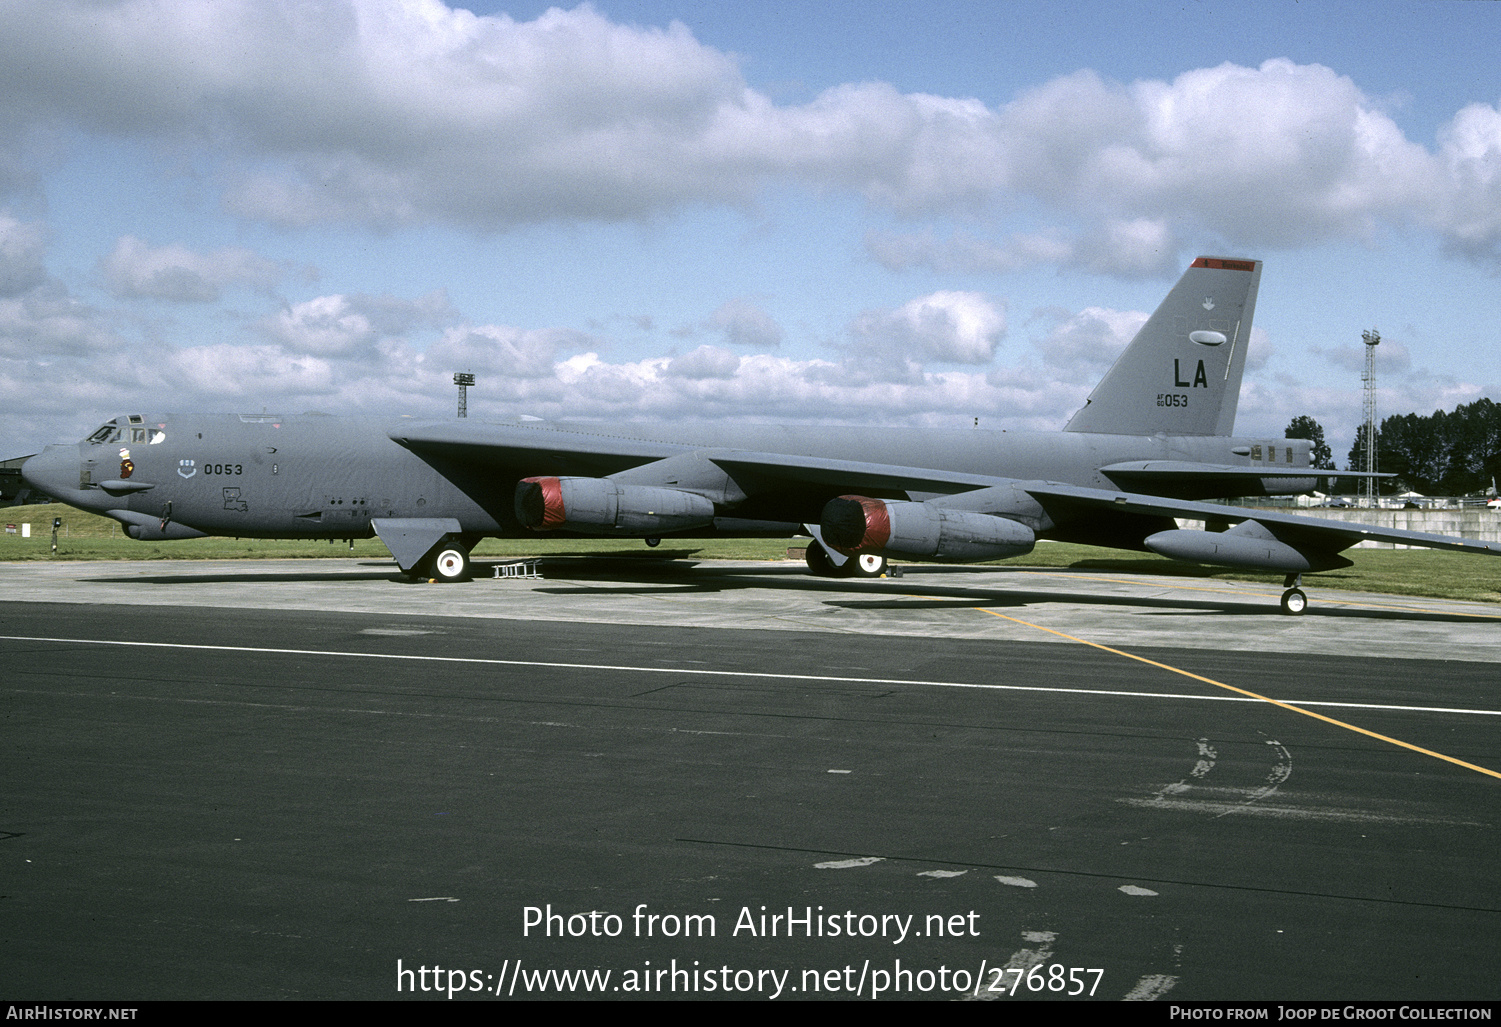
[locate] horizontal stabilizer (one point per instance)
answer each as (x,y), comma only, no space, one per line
(1169,469)
(1201,480)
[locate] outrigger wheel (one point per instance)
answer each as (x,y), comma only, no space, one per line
(1294,600)
(866,565)
(451,562)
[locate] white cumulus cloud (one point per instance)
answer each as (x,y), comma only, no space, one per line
(174,272)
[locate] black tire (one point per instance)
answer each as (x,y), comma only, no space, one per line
(1294,602)
(818,561)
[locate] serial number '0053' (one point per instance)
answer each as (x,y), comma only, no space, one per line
(1172,399)
(223,468)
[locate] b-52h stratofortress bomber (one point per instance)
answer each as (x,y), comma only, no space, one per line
(1152,442)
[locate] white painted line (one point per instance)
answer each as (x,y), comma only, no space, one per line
(759,675)
(1024,960)
(1150,988)
(848,864)
(1016,882)
(1134,889)
(1244,808)
(943,873)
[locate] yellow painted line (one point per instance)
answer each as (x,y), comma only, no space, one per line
(1253,695)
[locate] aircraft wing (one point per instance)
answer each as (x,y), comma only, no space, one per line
(561,451)
(1311,533)
(851,474)
(531,448)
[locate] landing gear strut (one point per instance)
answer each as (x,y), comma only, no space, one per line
(1294,600)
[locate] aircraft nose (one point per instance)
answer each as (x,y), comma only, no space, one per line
(54,471)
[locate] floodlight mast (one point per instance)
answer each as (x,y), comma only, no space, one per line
(1372,339)
(463,379)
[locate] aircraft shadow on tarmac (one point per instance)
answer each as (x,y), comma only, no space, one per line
(686,578)
(675,575)
(377,572)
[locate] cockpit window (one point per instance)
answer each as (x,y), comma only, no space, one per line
(105,433)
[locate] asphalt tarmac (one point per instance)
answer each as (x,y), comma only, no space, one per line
(313,780)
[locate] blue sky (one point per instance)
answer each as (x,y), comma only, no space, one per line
(856,212)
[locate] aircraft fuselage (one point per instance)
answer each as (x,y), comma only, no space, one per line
(319,476)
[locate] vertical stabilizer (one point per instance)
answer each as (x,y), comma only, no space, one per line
(1181,374)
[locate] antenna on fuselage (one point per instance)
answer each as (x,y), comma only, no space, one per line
(463,379)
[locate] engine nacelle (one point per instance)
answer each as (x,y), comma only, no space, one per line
(598,504)
(855,524)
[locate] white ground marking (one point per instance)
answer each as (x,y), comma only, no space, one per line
(1023,960)
(1150,988)
(1016,882)
(1207,756)
(757,675)
(846,864)
(1282,769)
(1135,889)
(1219,807)
(942,873)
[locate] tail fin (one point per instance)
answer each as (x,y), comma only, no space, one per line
(1181,374)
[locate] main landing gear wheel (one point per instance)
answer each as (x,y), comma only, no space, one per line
(866,565)
(451,563)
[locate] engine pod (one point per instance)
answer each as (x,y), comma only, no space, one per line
(602,505)
(857,524)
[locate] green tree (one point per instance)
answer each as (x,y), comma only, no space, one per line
(1439,454)
(1356,462)
(1305,427)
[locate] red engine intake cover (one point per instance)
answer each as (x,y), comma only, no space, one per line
(855,524)
(540,503)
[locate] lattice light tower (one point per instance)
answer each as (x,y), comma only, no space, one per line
(1368,485)
(463,379)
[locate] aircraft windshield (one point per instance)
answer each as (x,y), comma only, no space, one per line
(106,433)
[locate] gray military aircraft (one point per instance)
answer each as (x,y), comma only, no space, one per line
(1152,441)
